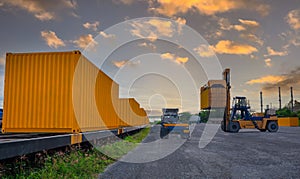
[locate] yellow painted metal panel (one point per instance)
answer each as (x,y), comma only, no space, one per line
(62,92)
(76,138)
(213,95)
(36,96)
(288,121)
(40,90)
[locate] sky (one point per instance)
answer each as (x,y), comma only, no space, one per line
(259,40)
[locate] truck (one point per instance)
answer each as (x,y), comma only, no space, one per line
(170,124)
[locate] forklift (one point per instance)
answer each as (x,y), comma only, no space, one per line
(239,116)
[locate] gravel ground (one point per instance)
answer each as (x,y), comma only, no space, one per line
(247,154)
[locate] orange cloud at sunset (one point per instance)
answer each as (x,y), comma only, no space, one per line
(84,40)
(207,7)
(231,47)
(270,79)
(51,39)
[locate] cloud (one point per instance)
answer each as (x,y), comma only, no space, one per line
(252,38)
(250,23)
(126,2)
(270,79)
(152,29)
(122,63)
(181,22)
(293,19)
(173,57)
(181,60)
(239,27)
(2,60)
(205,51)
(270,83)
(119,64)
(107,36)
(85,41)
(42,10)
(245,25)
(207,7)
(51,39)
(231,47)
(268,62)
(272,52)
(167,56)
(289,79)
(291,38)
(147,45)
(93,26)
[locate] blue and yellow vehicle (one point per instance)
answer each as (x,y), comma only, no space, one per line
(239,117)
(170,124)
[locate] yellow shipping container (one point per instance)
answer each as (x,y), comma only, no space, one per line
(57,92)
(288,121)
(130,113)
(213,95)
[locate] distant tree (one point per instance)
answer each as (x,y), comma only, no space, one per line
(285,112)
(185,116)
(204,115)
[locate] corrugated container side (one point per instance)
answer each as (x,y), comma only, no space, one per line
(43,95)
(288,121)
(130,113)
(37,95)
(213,95)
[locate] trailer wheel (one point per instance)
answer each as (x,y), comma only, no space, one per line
(272,126)
(234,127)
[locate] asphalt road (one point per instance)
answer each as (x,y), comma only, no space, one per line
(247,154)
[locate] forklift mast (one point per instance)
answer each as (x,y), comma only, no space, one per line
(226,77)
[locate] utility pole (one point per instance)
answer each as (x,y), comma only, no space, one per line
(279,97)
(292,99)
(261,102)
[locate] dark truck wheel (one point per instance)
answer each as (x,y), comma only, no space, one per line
(234,127)
(272,126)
(163,133)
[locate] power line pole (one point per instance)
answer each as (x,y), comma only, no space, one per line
(292,99)
(261,102)
(279,97)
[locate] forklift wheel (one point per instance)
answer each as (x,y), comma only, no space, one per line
(234,127)
(272,126)
(222,126)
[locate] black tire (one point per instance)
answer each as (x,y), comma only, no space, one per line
(222,126)
(234,127)
(262,130)
(163,133)
(272,126)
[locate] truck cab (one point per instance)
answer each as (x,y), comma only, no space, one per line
(170,124)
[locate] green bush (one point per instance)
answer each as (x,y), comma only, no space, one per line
(285,112)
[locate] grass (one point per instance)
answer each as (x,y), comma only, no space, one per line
(122,147)
(74,163)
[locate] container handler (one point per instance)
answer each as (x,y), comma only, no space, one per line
(239,116)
